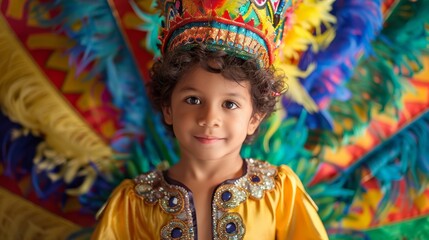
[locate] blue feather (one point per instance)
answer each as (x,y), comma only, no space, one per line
(358,22)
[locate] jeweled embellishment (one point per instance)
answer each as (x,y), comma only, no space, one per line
(255,179)
(143,188)
(176,230)
(149,187)
(260,178)
(226,196)
(229,196)
(231,227)
(173,202)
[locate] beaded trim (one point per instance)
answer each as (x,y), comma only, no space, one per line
(234,39)
(237,196)
(176,230)
(175,200)
(231,227)
(258,179)
(172,199)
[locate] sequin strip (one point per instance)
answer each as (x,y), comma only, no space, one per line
(258,179)
(173,200)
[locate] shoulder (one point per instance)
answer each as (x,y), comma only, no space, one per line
(140,184)
(290,180)
(286,174)
(280,173)
(129,191)
(285,180)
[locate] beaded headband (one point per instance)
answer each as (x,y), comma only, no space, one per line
(244,28)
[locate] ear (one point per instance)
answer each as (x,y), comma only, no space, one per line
(254,122)
(168,116)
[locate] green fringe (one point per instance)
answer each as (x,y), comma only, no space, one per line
(380,80)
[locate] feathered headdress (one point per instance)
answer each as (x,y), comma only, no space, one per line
(245,28)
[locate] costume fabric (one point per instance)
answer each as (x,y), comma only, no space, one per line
(266,202)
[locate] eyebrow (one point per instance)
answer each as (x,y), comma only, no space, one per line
(236,96)
(231,94)
(188,89)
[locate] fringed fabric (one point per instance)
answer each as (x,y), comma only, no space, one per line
(27,97)
(21,219)
(402,156)
(312,28)
(13,138)
(379,82)
(358,22)
(335,56)
(152,21)
(99,42)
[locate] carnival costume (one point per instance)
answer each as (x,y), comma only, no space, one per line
(76,120)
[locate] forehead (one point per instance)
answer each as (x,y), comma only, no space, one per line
(199,79)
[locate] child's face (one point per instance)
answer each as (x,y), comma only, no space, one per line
(211,115)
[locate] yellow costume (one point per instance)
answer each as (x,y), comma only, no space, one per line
(267,202)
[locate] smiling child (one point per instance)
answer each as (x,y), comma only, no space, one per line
(213,96)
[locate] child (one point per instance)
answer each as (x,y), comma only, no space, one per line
(214,102)
(213,95)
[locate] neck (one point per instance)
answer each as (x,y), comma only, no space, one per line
(208,171)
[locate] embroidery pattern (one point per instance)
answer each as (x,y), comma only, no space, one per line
(231,227)
(258,179)
(172,199)
(175,200)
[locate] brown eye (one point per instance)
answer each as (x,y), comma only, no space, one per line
(193,100)
(230,105)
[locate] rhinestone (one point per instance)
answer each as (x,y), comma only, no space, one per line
(255,179)
(143,188)
(176,232)
(173,201)
(230,227)
(226,196)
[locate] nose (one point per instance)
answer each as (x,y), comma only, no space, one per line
(209,117)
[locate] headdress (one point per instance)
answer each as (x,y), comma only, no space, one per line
(245,28)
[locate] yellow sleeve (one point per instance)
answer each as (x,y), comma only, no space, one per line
(296,213)
(126,216)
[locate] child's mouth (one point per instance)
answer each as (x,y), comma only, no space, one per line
(208,140)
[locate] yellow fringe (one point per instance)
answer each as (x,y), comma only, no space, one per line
(27,97)
(308,18)
(21,219)
(296,91)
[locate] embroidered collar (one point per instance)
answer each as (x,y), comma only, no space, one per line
(176,199)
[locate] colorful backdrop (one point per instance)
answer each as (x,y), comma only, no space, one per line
(75,119)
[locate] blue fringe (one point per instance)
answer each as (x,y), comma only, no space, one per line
(16,162)
(358,23)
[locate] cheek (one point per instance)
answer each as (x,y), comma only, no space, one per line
(241,124)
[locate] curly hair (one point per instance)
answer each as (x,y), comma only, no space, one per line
(266,84)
